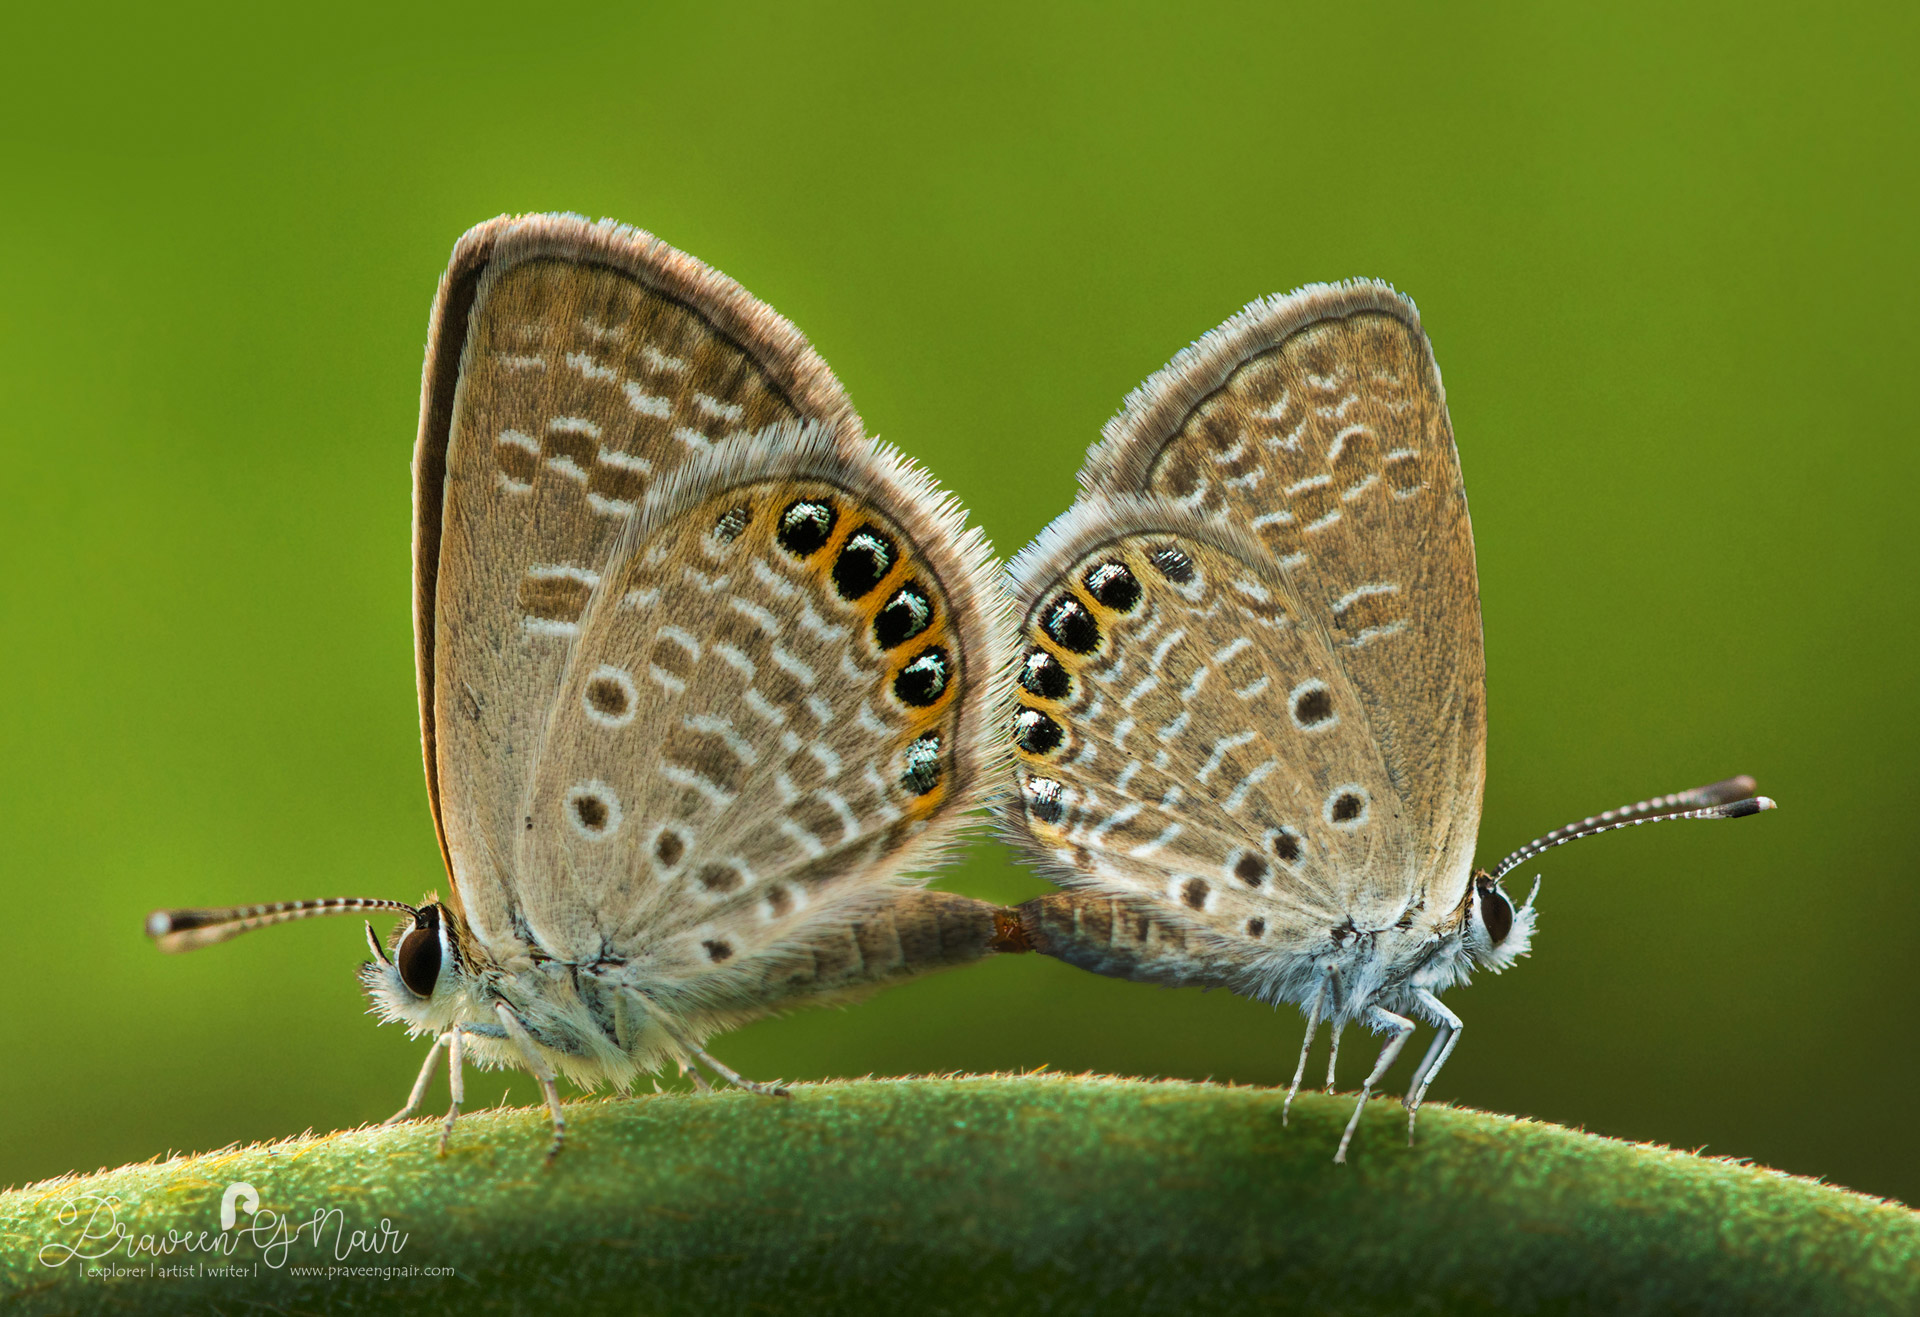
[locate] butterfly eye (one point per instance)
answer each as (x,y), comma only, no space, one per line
(1496,912)
(418,958)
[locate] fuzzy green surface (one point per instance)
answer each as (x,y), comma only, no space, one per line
(992,1194)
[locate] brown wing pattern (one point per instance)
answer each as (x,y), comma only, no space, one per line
(1186,734)
(571,367)
(774,710)
(1318,422)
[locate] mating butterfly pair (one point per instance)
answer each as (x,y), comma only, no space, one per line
(709,680)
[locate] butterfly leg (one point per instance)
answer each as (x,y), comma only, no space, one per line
(736,1079)
(1385,1022)
(420,1085)
(456,1085)
(1437,1054)
(1333,1056)
(541,1072)
(693,1073)
(1306,1045)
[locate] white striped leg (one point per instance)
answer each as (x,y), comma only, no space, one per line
(775,1089)
(1306,1045)
(1333,1056)
(541,1071)
(420,1085)
(1443,1044)
(456,1085)
(1383,1022)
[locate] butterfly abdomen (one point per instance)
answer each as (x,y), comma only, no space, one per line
(1122,939)
(916,933)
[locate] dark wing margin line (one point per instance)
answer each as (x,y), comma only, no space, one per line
(792,369)
(1121,460)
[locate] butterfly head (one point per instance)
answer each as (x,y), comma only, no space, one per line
(422,982)
(1496,932)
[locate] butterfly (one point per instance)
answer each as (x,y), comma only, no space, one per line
(708,679)
(1250,737)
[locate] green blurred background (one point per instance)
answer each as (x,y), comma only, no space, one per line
(1666,257)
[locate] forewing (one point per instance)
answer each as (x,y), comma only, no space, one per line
(1185,734)
(571,367)
(1317,422)
(776,708)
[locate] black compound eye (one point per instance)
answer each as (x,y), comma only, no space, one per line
(905,616)
(1113,585)
(1496,912)
(1072,625)
(864,561)
(418,957)
(1042,675)
(805,526)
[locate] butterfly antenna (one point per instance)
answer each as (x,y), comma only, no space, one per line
(1731,799)
(184,930)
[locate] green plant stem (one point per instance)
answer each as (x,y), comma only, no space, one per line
(996,1194)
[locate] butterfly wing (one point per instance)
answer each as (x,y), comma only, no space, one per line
(571,367)
(1188,737)
(776,706)
(1317,422)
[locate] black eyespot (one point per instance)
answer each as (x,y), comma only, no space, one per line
(922,759)
(1496,912)
(1312,706)
(1193,893)
(864,561)
(1256,927)
(1043,799)
(718,951)
(1287,845)
(591,811)
(719,877)
(1042,675)
(669,848)
(1250,869)
(921,681)
(608,697)
(1172,564)
(418,956)
(805,526)
(905,616)
(1072,625)
(1346,807)
(1036,733)
(1113,585)
(732,522)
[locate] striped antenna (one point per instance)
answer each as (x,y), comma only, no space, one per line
(1731,799)
(184,930)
